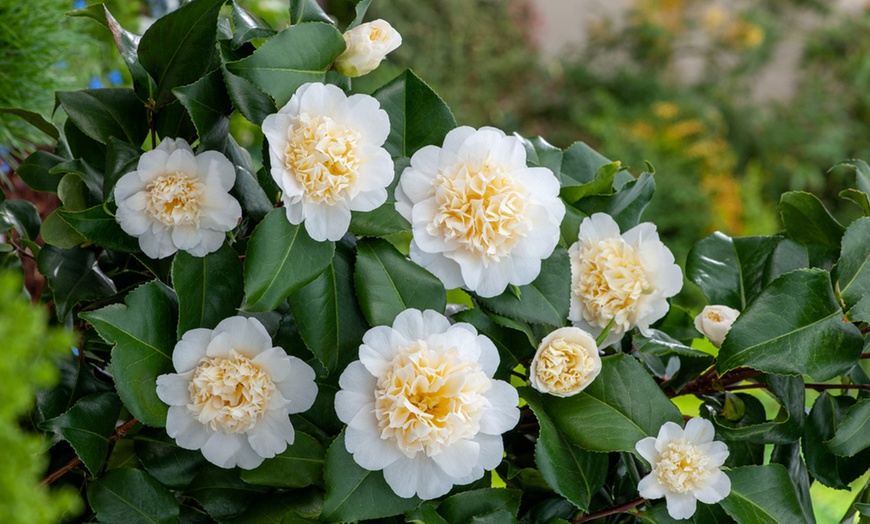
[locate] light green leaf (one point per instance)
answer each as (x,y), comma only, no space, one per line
(626,205)
(300,465)
(87,426)
(580,165)
(796,315)
(248,26)
(280,259)
(297,55)
(209,288)
(858,197)
(620,407)
(143,333)
(131,496)
(762,495)
(387,283)
(35,119)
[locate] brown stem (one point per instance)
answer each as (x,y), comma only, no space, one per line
(865,355)
(711,381)
(119,433)
(817,387)
(622,508)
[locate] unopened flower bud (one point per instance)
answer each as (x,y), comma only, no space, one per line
(714,322)
(566,362)
(367,45)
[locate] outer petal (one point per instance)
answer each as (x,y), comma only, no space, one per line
(717,488)
(504,413)
(246,335)
(459,458)
(699,430)
(157,243)
(681,506)
(324,222)
(172,388)
(299,387)
(420,476)
(220,449)
(271,434)
(370,451)
(646,447)
(188,432)
(191,349)
(649,488)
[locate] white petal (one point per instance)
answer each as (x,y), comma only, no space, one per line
(209,242)
(271,434)
(220,449)
(646,447)
(504,413)
(717,488)
(489,357)
(157,243)
(681,506)
(456,137)
(172,388)
(717,452)
(127,186)
(357,390)
(276,363)
(370,451)
(246,335)
(324,222)
(368,200)
(188,432)
(649,488)
(699,430)
(134,223)
(321,99)
(599,226)
(217,170)
(299,386)
(182,161)
(447,270)
(459,458)
(491,451)
(366,115)
(669,432)
(420,476)
(151,165)
(191,349)
(185,237)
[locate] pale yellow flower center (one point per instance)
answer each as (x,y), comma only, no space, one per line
(229,394)
(564,366)
(324,157)
(682,467)
(480,207)
(175,199)
(428,399)
(610,278)
(714,316)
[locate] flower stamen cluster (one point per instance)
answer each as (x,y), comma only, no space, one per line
(175,199)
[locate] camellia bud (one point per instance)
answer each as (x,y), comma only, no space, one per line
(367,45)
(715,321)
(566,362)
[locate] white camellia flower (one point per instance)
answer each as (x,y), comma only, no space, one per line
(685,467)
(480,217)
(367,45)
(566,362)
(714,322)
(421,404)
(232,393)
(326,156)
(627,278)
(177,200)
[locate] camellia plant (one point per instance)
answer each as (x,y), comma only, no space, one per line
(399,318)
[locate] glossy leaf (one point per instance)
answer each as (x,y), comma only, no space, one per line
(121,158)
(602,184)
(131,496)
(789,455)
(87,426)
(143,333)
(307,11)
(281,258)
(545,300)
(620,407)
(625,206)
(35,119)
(387,283)
(328,316)
(862,174)
(671,361)
(209,288)
(176,50)
(514,346)
(571,471)
(300,465)
(34,171)
(807,221)
(762,495)
(418,116)
(104,113)
(284,508)
(797,315)
(361,7)
(853,433)
(77,381)
(853,270)
(98,226)
(384,220)
(164,460)
(73,276)
(859,198)
(23,216)
(826,415)
(297,55)
(580,164)
(469,506)
(209,107)
(541,153)
(251,101)
(247,190)
(787,425)
(354,493)
(222,493)
(248,26)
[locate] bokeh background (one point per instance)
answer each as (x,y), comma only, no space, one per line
(732,101)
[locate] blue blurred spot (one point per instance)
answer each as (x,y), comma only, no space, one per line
(75,351)
(95,83)
(61,65)
(4,168)
(115,77)
(79,4)
(4,150)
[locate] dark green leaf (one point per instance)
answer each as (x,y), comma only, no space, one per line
(465,506)
(176,50)
(104,113)
(807,221)
(23,216)
(787,256)
(789,455)
(209,288)
(295,56)
(785,428)
(580,165)
(77,381)
(35,119)
(98,226)
(131,496)
(173,121)
(307,11)
(354,493)
(384,220)
(221,492)
(833,471)
(87,427)
(762,495)
(620,407)
(361,7)
(121,158)
(209,107)
(858,197)
(161,457)
(541,153)
(545,300)
(425,514)
(143,332)
(418,116)
(251,101)
(602,184)
(387,283)
(300,465)
(73,276)
(34,171)
(247,190)
(860,312)
(56,232)
(328,316)
(514,346)
(247,26)
(626,205)
(862,174)
(290,507)
(797,315)
(281,258)
(673,362)
(853,270)
(75,144)
(853,433)
(572,472)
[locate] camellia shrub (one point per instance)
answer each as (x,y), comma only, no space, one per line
(402,318)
